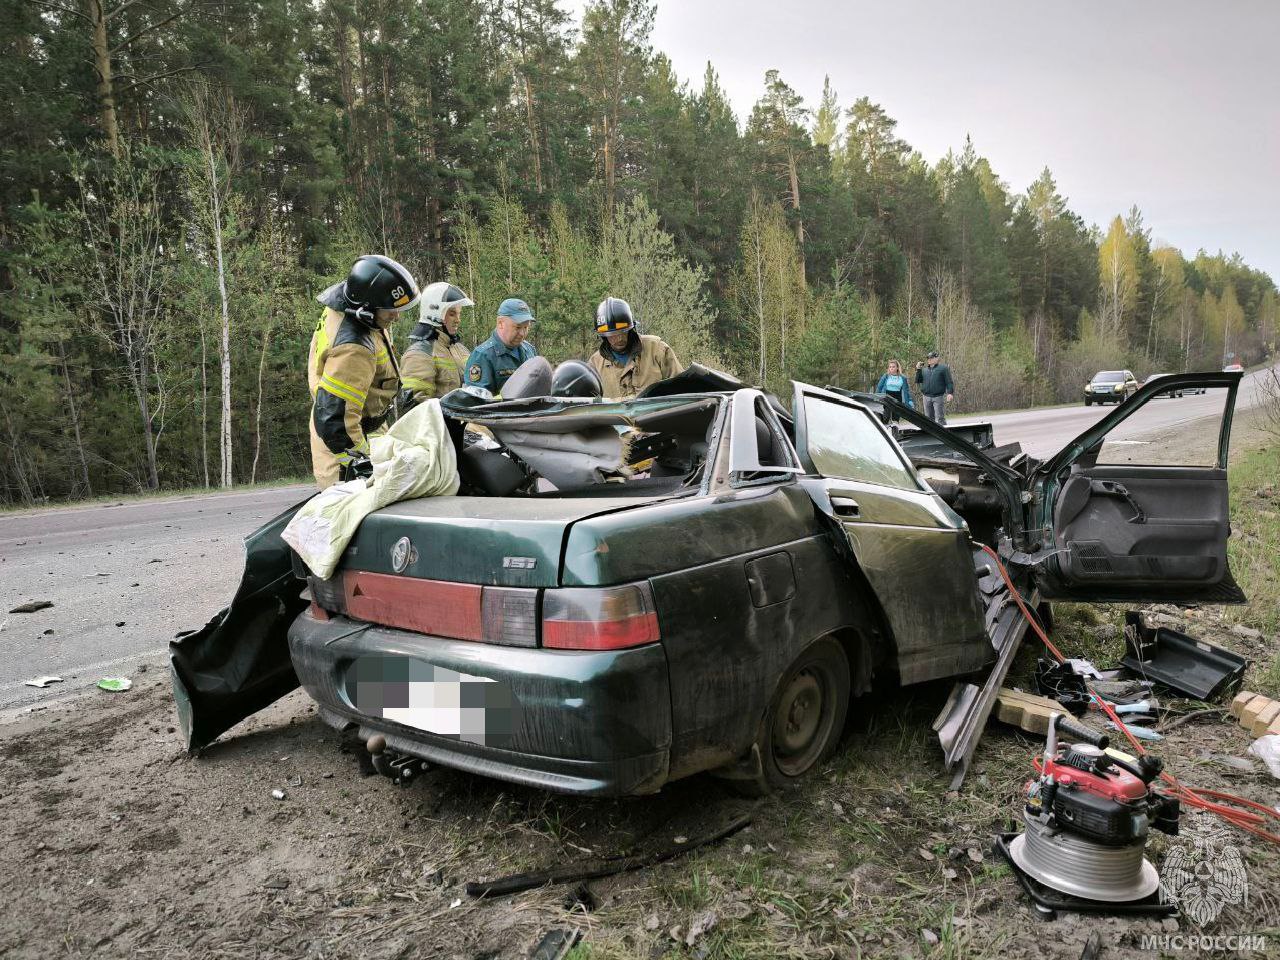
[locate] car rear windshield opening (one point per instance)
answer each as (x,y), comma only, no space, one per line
(642,448)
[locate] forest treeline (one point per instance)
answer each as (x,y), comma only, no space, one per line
(181,177)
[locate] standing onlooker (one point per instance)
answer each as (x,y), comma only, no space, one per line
(894,384)
(936,385)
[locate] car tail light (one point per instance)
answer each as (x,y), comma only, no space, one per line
(510,616)
(609,618)
(327,594)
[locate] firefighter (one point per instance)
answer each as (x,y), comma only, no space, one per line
(351,370)
(435,361)
(627,360)
(493,362)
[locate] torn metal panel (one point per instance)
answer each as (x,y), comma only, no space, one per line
(238,663)
(960,723)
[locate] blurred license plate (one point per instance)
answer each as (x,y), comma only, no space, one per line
(435,699)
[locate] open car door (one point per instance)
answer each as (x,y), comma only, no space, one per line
(913,550)
(1136,506)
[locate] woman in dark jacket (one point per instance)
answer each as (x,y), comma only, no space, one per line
(894,384)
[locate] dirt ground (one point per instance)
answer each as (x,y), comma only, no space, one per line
(120,845)
(115,843)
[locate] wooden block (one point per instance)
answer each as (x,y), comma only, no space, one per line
(1253,709)
(1026,710)
(1275,726)
(1267,717)
(1241,699)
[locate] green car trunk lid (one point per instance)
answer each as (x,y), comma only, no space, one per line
(503,541)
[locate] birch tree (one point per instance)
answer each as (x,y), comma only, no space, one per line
(1118,275)
(126,272)
(215,125)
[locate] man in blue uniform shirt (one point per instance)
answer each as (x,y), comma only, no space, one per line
(493,362)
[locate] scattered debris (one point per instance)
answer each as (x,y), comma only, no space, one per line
(277,883)
(1092,947)
(119,623)
(1257,714)
(1194,668)
(929,937)
(681,839)
(701,924)
(652,922)
(925,854)
(42,682)
(582,896)
(32,606)
(1026,710)
(115,684)
(1240,630)
(556,943)
(594,869)
(1267,749)
(1142,733)
(277,794)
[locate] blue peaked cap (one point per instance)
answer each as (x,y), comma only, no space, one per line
(516,309)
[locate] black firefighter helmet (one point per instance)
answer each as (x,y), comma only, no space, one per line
(573,378)
(614,316)
(374,283)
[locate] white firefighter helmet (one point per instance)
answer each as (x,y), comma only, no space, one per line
(438,299)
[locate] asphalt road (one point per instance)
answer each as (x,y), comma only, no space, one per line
(125,578)
(1046,430)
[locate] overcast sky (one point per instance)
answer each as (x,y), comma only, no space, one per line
(1172,105)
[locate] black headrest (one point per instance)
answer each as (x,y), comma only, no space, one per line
(490,471)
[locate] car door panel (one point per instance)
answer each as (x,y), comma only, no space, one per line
(1138,532)
(913,551)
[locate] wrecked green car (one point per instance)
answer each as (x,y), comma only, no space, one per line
(701,579)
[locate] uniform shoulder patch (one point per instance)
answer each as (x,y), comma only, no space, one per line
(474,373)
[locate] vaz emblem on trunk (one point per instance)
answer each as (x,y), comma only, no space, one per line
(403,554)
(519,563)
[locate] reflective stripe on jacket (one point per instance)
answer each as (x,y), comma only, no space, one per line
(352,384)
(431,368)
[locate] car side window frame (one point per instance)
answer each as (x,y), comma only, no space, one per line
(802,440)
(744,468)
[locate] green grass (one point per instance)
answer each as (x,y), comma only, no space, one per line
(1254,552)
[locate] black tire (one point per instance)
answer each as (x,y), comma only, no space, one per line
(806,717)
(1088,403)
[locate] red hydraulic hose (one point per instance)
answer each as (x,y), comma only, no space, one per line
(1237,811)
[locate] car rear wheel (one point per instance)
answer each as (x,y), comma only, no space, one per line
(1088,403)
(805,719)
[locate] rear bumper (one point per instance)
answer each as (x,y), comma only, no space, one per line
(590,723)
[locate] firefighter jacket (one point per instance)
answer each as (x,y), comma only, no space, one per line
(352,383)
(432,365)
(649,360)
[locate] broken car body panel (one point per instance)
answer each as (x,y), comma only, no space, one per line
(238,663)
